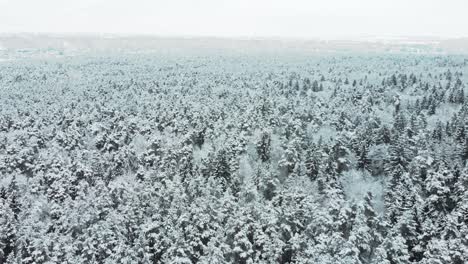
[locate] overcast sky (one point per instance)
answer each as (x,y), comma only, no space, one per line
(234,18)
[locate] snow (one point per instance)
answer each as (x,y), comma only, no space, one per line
(232,157)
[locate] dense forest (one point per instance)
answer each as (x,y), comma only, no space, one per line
(151,158)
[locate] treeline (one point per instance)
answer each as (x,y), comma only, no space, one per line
(141,159)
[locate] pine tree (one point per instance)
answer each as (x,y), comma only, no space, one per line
(186,163)
(393,80)
(432,108)
(312,163)
(8,232)
(460,133)
(437,133)
(464,151)
(399,154)
(384,135)
(395,195)
(410,226)
(290,158)
(315,86)
(221,169)
(363,160)
(264,146)
(438,192)
(396,249)
(366,231)
(400,122)
(328,180)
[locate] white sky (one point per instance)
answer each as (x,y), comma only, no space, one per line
(247,18)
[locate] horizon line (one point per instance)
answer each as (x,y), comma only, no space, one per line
(235,37)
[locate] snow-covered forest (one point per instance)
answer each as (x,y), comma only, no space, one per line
(235,158)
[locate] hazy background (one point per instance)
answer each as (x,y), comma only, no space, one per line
(240,18)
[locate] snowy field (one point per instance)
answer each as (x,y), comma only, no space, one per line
(153,157)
